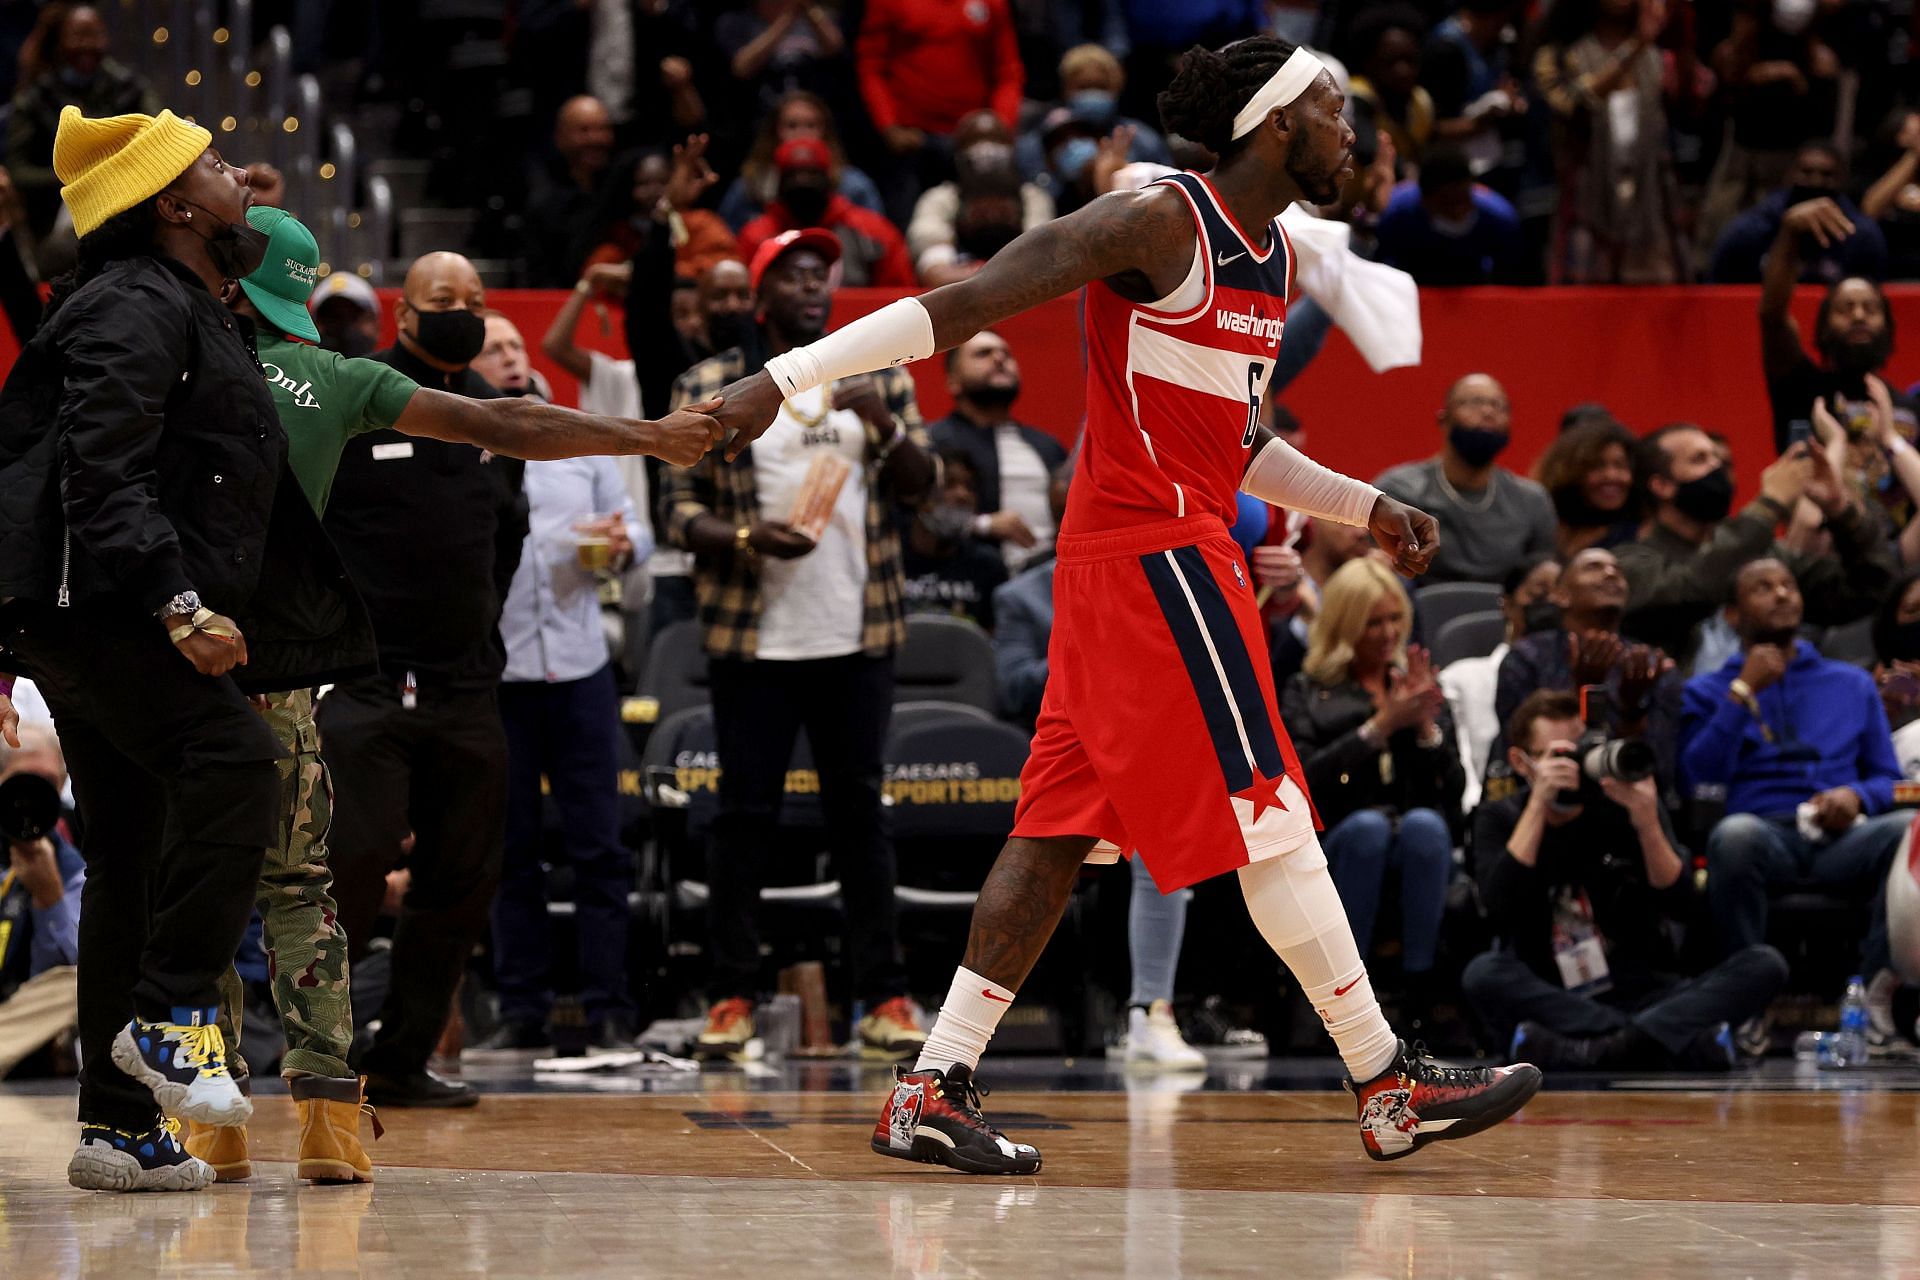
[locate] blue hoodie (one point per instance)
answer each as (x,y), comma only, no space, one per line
(1829,731)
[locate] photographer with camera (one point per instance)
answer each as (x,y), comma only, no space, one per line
(39,895)
(1575,870)
(1799,747)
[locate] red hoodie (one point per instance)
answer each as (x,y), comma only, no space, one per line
(872,250)
(926,63)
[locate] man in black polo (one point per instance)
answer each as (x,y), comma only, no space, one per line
(431,533)
(1013,462)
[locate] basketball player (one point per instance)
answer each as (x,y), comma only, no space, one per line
(1158,731)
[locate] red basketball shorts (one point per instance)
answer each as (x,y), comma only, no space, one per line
(1159,731)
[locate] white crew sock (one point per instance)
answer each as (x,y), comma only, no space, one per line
(965,1023)
(1297,910)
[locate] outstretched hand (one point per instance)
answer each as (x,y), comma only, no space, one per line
(691,174)
(683,437)
(750,406)
(1407,534)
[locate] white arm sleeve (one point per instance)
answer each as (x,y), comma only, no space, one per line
(897,333)
(1284,476)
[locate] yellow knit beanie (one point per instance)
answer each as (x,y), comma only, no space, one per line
(113,163)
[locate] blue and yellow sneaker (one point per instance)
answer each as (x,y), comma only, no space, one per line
(184,1064)
(110,1159)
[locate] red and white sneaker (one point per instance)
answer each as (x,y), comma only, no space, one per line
(1416,1101)
(934,1117)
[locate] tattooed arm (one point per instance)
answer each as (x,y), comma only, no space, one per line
(1140,241)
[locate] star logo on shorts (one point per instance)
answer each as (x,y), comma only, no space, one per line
(1264,794)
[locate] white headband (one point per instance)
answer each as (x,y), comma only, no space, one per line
(1288,83)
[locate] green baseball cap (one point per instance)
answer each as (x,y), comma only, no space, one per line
(285,279)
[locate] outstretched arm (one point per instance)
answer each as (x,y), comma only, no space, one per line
(1145,235)
(558,343)
(521,428)
(1823,220)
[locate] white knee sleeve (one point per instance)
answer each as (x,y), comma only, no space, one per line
(1297,910)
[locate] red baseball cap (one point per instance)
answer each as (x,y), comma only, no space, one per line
(802,153)
(818,239)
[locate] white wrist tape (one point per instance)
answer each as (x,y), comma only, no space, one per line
(1284,476)
(895,334)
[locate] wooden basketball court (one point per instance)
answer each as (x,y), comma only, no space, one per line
(765,1175)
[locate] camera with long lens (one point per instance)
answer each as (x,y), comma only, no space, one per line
(1601,755)
(29,808)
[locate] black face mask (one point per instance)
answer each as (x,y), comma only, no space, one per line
(983,241)
(807,204)
(1571,505)
(451,337)
(1707,499)
(1541,615)
(351,343)
(236,250)
(1476,446)
(726,332)
(1906,642)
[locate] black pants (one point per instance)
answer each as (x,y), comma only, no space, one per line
(438,771)
(759,708)
(179,797)
(1676,1014)
(567,732)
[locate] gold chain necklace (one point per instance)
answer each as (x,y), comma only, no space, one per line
(809,421)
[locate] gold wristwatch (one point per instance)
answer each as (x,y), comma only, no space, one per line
(743,542)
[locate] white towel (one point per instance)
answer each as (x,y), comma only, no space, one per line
(1375,305)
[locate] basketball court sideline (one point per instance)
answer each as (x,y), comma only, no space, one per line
(1254,1172)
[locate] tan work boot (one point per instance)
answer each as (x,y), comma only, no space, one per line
(222,1146)
(329,1110)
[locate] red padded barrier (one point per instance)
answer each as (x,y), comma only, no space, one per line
(1652,355)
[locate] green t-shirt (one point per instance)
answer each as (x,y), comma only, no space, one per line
(324,400)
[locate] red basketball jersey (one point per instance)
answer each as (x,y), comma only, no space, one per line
(1173,397)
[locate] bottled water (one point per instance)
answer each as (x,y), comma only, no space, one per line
(1849,1047)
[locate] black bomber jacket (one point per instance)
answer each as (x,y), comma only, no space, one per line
(141,456)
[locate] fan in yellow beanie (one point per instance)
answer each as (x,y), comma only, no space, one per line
(110,164)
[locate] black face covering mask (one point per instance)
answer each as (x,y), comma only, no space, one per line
(1707,499)
(236,250)
(726,332)
(1541,615)
(807,204)
(1906,642)
(983,241)
(451,337)
(1476,446)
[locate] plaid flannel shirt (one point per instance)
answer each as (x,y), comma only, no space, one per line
(727,585)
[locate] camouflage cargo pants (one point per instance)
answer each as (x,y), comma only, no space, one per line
(306,947)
